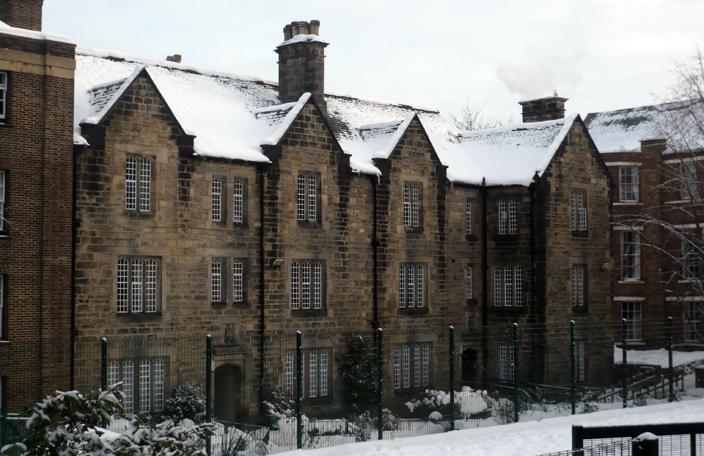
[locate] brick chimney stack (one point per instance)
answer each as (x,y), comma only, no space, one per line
(302,63)
(541,109)
(26,14)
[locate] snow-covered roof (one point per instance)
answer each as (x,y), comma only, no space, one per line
(513,155)
(24,33)
(233,116)
(622,130)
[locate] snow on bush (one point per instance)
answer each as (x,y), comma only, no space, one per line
(69,424)
(187,402)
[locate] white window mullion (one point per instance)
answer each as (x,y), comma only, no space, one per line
(159,383)
(317,286)
(416,205)
(295,285)
(128,386)
(420,288)
(301,198)
(150,286)
(312,197)
(238,202)
(137,285)
(402,286)
(216,201)
(216,281)
(323,372)
(144,386)
(313,374)
(131,184)
(237,281)
(305,285)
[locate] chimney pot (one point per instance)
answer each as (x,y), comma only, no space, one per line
(287,32)
(294,29)
(303,28)
(26,14)
(315,27)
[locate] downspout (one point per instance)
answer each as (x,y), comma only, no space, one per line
(485,284)
(375,258)
(262,299)
(74,227)
(41,242)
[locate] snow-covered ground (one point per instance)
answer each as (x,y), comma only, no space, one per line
(521,439)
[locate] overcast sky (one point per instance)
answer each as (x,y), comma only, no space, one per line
(601,54)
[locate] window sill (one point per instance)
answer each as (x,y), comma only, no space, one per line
(309,313)
(139,214)
(413,311)
(631,281)
(628,203)
(506,237)
(680,201)
(308,224)
(4,342)
(688,281)
(629,343)
(580,233)
(508,309)
(141,317)
(324,400)
(580,309)
(413,229)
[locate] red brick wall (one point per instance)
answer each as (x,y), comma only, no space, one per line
(36,151)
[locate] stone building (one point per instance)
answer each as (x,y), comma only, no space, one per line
(36,182)
(657,221)
(211,203)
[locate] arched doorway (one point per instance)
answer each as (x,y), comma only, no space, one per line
(228,392)
(469,367)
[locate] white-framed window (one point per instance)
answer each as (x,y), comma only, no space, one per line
(3,96)
(506,362)
(688,180)
(238,201)
(316,373)
(216,201)
(632,312)
(411,204)
(580,360)
(579,210)
(470,282)
(508,286)
(2,307)
(137,285)
(412,365)
(411,285)
(689,261)
(508,217)
(468,214)
(307,285)
(3,193)
(238,281)
(143,383)
(628,184)
(216,267)
(630,255)
(579,285)
(692,317)
(307,197)
(138,184)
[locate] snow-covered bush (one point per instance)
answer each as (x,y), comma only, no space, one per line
(187,402)
(68,424)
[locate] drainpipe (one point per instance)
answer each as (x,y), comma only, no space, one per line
(375,258)
(262,300)
(485,284)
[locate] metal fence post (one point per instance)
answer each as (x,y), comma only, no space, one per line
(104,363)
(208,386)
(624,357)
(380,383)
(515,373)
(670,370)
(452,378)
(299,390)
(573,369)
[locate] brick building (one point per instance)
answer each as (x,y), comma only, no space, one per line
(656,238)
(210,203)
(36,181)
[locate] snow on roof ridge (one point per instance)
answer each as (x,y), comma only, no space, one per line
(302,39)
(43,36)
(506,128)
(547,158)
(395,138)
(92,52)
(96,119)
(380,125)
(290,117)
(274,108)
(429,109)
